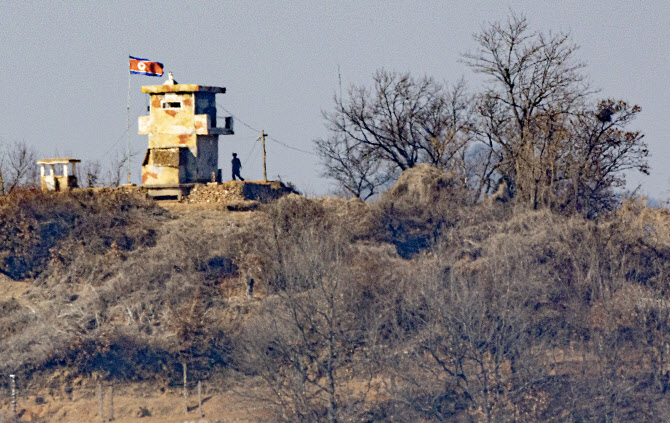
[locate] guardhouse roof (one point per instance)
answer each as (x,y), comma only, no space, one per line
(61,160)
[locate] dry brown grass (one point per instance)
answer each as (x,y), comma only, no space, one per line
(567,318)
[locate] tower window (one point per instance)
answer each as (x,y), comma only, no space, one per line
(171,104)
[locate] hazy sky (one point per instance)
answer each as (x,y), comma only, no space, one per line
(64,67)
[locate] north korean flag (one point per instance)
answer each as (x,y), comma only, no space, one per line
(145,67)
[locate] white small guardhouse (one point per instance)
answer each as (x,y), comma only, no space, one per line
(61,175)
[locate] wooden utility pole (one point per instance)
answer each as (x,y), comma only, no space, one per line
(183,364)
(200,400)
(12,383)
(101,406)
(111,403)
(265,169)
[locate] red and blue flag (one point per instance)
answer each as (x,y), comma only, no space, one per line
(145,67)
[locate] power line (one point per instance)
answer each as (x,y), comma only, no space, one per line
(259,131)
(291,147)
(117,141)
(250,153)
(236,118)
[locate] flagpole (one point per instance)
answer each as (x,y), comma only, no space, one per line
(128,125)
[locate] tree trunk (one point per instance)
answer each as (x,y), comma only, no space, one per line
(2,184)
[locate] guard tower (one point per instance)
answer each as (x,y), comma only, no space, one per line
(183,137)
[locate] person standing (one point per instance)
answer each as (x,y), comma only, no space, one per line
(237,165)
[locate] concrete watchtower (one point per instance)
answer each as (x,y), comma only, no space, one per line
(183,137)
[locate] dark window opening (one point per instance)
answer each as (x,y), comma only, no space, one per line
(172,104)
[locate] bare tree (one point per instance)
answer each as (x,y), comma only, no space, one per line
(535,120)
(534,130)
(90,174)
(358,171)
(308,342)
(473,344)
(17,166)
(188,323)
(533,76)
(402,121)
(114,171)
(598,151)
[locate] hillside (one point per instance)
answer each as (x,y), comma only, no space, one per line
(417,307)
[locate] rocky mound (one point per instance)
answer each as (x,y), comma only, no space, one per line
(421,186)
(238,191)
(418,207)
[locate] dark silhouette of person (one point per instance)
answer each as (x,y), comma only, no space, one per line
(237,165)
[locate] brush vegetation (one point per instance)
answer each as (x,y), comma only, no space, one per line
(418,307)
(499,276)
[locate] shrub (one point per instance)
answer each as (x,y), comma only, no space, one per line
(34,224)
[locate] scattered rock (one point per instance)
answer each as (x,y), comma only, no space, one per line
(142,412)
(240,195)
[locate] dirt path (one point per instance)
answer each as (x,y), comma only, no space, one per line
(12,289)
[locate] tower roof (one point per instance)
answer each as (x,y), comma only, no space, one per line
(172,86)
(181,88)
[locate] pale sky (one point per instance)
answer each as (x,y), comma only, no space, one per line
(64,67)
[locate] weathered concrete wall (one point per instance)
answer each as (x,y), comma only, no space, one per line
(58,183)
(205,104)
(171,126)
(160,175)
(189,165)
(208,157)
(181,117)
(174,126)
(163,166)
